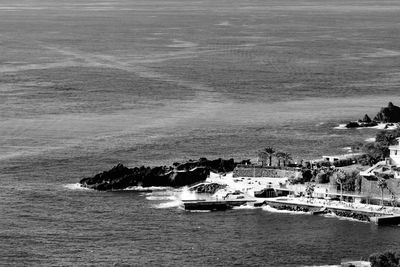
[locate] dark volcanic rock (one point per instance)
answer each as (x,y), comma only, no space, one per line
(361,123)
(366,119)
(391,113)
(121,177)
(352,124)
(218,165)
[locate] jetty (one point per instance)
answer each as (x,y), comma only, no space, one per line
(203,204)
(372,216)
(386,220)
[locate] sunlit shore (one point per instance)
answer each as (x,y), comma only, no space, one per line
(247,186)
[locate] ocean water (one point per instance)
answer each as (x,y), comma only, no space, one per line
(87,84)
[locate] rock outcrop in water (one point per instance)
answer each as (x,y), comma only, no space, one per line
(121,177)
(365,122)
(389,114)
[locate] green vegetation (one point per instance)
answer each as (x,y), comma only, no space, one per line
(269,152)
(310,189)
(382,184)
(385,259)
(347,181)
(379,149)
(340,178)
(265,154)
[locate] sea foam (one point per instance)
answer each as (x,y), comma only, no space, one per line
(75,186)
(146,189)
(332,215)
(271,209)
(168,205)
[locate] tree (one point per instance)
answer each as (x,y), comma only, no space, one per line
(286,157)
(379,150)
(310,189)
(382,184)
(385,259)
(306,175)
(340,178)
(352,181)
(267,152)
(263,157)
(322,177)
(280,157)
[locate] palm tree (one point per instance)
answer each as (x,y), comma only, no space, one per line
(382,184)
(340,178)
(267,152)
(286,158)
(279,156)
(263,157)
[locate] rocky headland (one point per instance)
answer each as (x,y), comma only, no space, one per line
(179,174)
(389,116)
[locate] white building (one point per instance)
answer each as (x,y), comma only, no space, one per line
(389,166)
(335,158)
(395,154)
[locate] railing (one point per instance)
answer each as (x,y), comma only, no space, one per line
(251,166)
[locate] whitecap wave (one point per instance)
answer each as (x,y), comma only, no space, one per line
(198,211)
(168,205)
(341,127)
(380,126)
(76,186)
(160,198)
(322,266)
(146,189)
(224,23)
(332,215)
(271,209)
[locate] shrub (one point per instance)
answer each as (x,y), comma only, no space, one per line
(385,259)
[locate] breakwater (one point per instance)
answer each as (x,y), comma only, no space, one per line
(380,218)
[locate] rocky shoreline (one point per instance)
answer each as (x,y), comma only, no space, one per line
(178,175)
(389,116)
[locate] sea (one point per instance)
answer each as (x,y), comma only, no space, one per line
(88,84)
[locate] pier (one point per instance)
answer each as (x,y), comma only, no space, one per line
(376,217)
(202,204)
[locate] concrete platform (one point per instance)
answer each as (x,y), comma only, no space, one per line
(386,220)
(203,204)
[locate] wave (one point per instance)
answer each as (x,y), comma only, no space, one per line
(341,127)
(385,126)
(380,126)
(157,198)
(224,23)
(198,211)
(146,189)
(322,265)
(76,186)
(271,209)
(168,205)
(332,215)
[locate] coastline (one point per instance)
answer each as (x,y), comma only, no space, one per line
(309,205)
